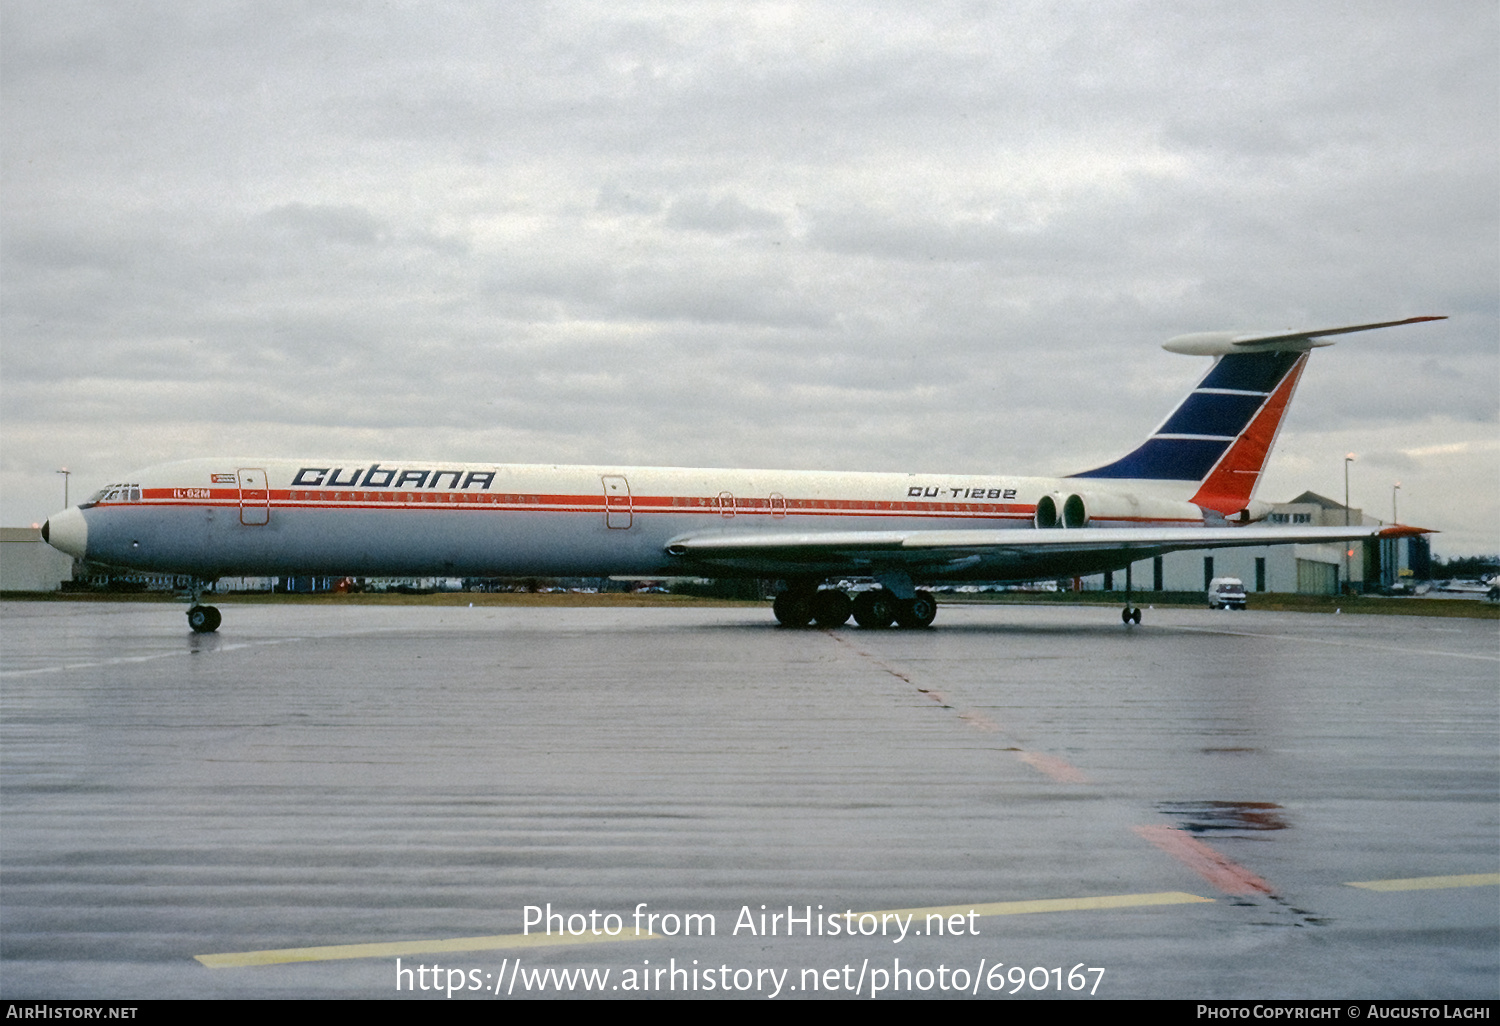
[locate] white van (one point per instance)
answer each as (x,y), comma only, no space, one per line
(1226,593)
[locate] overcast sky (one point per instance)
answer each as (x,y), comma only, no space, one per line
(946,237)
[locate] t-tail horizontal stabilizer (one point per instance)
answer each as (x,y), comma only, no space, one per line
(1222,434)
(1221,343)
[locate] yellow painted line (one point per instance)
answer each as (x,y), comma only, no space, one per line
(331,952)
(280,956)
(1014,908)
(1429,883)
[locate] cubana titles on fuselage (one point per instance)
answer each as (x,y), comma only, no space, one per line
(1190,485)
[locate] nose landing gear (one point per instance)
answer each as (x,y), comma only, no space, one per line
(1130,614)
(203,619)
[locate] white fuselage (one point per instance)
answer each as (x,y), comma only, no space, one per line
(221,517)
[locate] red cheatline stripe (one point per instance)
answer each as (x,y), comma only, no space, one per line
(577,504)
(1224,873)
(589,505)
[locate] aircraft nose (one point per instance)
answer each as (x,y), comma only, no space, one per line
(67,531)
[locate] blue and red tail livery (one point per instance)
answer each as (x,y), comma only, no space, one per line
(1222,434)
(1214,418)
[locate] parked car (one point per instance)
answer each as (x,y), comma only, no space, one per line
(1226,593)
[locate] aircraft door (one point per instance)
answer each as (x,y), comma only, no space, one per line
(255,498)
(618,511)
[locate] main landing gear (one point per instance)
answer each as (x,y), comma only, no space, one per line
(801,606)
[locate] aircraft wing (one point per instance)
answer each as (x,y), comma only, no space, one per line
(1008,554)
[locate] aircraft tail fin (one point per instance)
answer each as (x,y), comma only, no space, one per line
(1221,435)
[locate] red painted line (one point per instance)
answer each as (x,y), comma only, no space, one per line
(979,721)
(1060,770)
(1218,869)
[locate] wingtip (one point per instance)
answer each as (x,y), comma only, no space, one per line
(1405,531)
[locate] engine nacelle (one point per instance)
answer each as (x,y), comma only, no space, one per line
(1046,513)
(1112,509)
(1250,514)
(1253,513)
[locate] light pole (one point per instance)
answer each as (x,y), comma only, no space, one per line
(1348,551)
(65,472)
(1394,489)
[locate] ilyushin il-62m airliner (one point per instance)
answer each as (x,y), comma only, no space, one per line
(1190,485)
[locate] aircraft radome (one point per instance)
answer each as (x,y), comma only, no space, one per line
(1190,485)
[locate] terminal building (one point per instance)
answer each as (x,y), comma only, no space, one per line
(29,564)
(1297,569)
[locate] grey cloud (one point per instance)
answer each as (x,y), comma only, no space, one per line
(615,198)
(323,223)
(870,235)
(758,299)
(719,215)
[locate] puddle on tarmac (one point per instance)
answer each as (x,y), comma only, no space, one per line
(1224,817)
